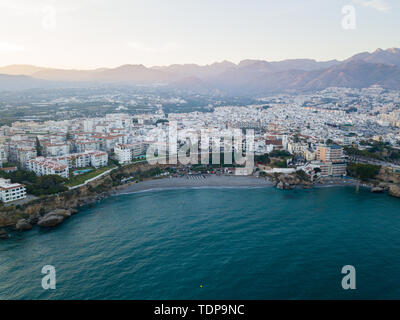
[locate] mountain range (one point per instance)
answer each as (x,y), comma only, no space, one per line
(381,67)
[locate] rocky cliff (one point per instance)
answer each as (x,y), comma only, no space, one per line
(290,181)
(32,212)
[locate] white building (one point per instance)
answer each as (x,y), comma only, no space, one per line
(126,152)
(98,158)
(83,145)
(42,166)
(92,158)
(3,154)
(107,142)
(56,149)
(11,191)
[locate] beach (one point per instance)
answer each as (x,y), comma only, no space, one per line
(223,181)
(202,181)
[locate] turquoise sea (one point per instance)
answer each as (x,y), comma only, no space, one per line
(216,243)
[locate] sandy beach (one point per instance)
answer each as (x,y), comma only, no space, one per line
(197,182)
(213,181)
(340,182)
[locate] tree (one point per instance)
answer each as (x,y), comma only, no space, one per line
(39,148)
(302,175)
(363,171)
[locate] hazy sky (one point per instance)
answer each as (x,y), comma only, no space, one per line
(98,33)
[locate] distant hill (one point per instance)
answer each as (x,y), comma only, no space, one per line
(15,82)
(20,69)
(380,67)
(353,74)
(194,70)
(134,74)
(389,56)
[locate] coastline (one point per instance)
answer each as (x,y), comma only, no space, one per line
(68,203)
(223,181)
(206,181)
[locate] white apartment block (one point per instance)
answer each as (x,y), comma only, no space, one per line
(123,153)
(83,145)
(11,191)
(98,159)
(107,142)
(91,158)
(126,152)
(56,149)
(24,154)
(42,166)
(3,154)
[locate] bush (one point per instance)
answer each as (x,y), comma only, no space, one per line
(45,185)
(363,171)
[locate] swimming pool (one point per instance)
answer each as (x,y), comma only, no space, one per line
(79,172)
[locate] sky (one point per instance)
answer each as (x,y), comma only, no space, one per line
(87,34)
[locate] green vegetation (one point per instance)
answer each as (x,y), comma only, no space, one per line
(264,159)
(377,150)
(364,172)
(45,185)
(301,174)
(276,159)
(19,176)
(9,164)
(279,164)
(279,154)
(39,148)
(80,179)
(119,174)
(161,121)
(35,185)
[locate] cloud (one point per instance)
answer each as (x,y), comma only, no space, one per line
(10,47)
(380,5)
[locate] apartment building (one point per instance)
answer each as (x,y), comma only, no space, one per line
(3,154)
(91,158)
(332,169)
(44,166)
(126,152)
(83,145)
(56,149)
(332,161)
(329,153)
(11,191)
(98,158)
(108,142)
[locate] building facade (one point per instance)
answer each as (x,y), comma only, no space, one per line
(42,166)
(11,191)
(126,152)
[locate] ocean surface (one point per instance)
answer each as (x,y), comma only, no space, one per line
(216,243)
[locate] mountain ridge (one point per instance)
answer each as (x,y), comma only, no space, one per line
(249,76)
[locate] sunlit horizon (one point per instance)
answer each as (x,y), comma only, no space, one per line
(91,34)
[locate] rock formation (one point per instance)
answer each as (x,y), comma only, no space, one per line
(394,190)
(377,190)
(54,218)
(3,234)
(290,181)
(23,225)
